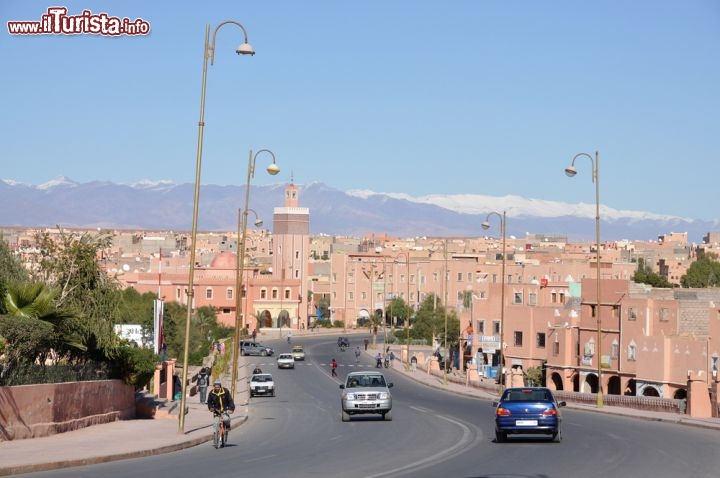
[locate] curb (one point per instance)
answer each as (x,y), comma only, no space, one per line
(13,470)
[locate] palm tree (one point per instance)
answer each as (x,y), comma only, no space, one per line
(31,305)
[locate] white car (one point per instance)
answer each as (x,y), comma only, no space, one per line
(286,361)
(262,384)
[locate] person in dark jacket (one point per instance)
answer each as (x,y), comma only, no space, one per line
(220,403)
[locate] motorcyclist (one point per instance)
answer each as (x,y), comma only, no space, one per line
(378,360)
(256,370)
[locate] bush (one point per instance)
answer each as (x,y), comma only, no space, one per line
(135,366)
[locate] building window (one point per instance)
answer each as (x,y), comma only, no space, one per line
(226,311)
(532,298)
(297,273)
(541,340)
(351,277)
(517,298)
(561,297)
(481,326)
(496,327)
(297,254)
(229,294)
(459,276)
(553,297)
(287,293)
(177,293)
(350,295)
(556,348)
(632,352)
(263,293)
(274,293)
(412,278)
(402,278)
(517,335)
(469,277)
(589,349)
(209,293)
(614,349)
(509,279)
(664,314)
(631,313)
(363,295)
(435,276)
(494,278)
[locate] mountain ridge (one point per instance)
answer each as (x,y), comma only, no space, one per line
(164,205)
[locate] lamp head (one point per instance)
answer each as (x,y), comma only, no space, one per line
(258,222)
(273,169)
(570,171)
(485,225)
(245,49)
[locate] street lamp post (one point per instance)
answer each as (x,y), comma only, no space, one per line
(570,171)
(239,271)
(501,358)
(445,306)
(208,54)
(272,169)
(407,318)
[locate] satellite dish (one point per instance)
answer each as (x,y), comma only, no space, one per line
(126,267)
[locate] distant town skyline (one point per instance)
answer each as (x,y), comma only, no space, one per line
(481,98)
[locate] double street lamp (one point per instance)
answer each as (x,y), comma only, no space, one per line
(501,357)
(571,171)
(208,54)
(272,169)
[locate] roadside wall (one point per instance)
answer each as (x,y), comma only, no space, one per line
(31,411)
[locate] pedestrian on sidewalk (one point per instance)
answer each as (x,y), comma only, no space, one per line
(254,334)
(413,363)
(357,354)
(202,384)
(333,367)
(366,342)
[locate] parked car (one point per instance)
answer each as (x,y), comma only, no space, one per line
(527,410)
(285,361)
(255,348)
(298,352)
(262,384)
(366,393)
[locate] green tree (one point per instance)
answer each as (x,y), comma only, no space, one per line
(430,322)
(397,307)
(645,275)
(704,272)
(30,306)
(68,263)
(11,270)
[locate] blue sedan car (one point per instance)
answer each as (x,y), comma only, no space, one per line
(527,410)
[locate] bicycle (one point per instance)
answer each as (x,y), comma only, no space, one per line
(220,433)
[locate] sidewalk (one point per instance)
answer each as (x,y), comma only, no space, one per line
(137,438)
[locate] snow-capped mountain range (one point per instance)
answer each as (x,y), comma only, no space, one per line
(164,205)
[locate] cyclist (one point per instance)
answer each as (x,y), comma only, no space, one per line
(221,404)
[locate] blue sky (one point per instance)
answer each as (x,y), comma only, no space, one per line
(420,97)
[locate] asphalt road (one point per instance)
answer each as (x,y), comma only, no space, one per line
(299,433)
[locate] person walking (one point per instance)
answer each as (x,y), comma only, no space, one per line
(333,368)
(254,334)
(413,363)
(378,360)
(202,384)
(357,354)
(366,342)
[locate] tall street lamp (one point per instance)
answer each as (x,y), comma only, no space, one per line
(445,306)
(208,54)
(272,169)
(501,357)
(407,319)
(240,268)
(571,171)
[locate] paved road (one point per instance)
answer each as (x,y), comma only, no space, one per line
(434,433)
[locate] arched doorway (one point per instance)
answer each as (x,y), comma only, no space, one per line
(283,318)
(576,382)
(680,394)
(613,386)
(363,318)
(264,319)
(631,389)
(650,391)
(591,383)
(556,380)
